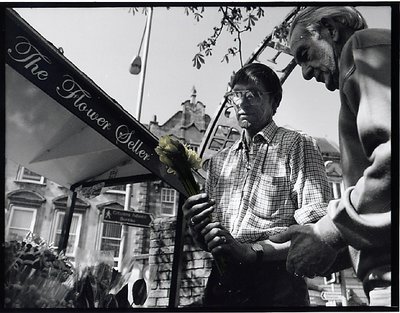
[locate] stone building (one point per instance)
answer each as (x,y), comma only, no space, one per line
(188,124)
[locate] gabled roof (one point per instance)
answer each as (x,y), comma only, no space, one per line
(327,147)
(178,116)
(170,121)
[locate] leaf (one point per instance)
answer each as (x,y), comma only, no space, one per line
(253,19)
(198,60)
(198,16)
(139,292)
(122,297)
(86,296)
(109,301)
(133,10)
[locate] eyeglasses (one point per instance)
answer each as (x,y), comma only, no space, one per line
(234,97)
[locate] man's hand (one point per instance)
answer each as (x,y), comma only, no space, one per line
(308,255)
(221,243)
(197,213)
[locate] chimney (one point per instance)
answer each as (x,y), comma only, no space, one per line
(154,121)
(193,97)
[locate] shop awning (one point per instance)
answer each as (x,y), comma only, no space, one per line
(61,125)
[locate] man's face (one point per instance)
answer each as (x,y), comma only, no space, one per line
(253,112)
(314,52)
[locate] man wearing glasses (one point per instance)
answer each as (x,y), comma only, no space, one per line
(269,179)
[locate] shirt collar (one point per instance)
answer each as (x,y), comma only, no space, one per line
(267,133)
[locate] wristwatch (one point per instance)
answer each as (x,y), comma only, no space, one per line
(259,252)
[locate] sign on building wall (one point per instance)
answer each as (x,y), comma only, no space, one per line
(130,218)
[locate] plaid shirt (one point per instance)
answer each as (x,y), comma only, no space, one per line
(260,191)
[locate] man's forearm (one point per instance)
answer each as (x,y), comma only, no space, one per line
(274,251)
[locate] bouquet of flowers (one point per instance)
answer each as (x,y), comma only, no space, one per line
(35,275)
(181,160)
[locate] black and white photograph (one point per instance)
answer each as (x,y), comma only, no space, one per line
(224,156)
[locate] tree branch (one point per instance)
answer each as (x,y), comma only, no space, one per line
(238,31)
(236,19)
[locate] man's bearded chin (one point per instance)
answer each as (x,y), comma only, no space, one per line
(331,81)
(332,84)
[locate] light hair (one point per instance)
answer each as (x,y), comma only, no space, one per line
(311,18)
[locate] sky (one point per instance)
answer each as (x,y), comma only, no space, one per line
(102,42)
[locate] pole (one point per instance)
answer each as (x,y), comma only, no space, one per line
(144,62)
(176,275)
(63,243)
(128,189)
(343,288)
(127,204)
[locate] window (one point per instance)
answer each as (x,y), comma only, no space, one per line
(21,222)
(25,175)
(111,239)
(74,232)
(168,201)
(194,147)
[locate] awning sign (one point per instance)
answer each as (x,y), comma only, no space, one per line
(130,218)
(43,65)
(27,58)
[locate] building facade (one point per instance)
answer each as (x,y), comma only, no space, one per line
(36,204)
